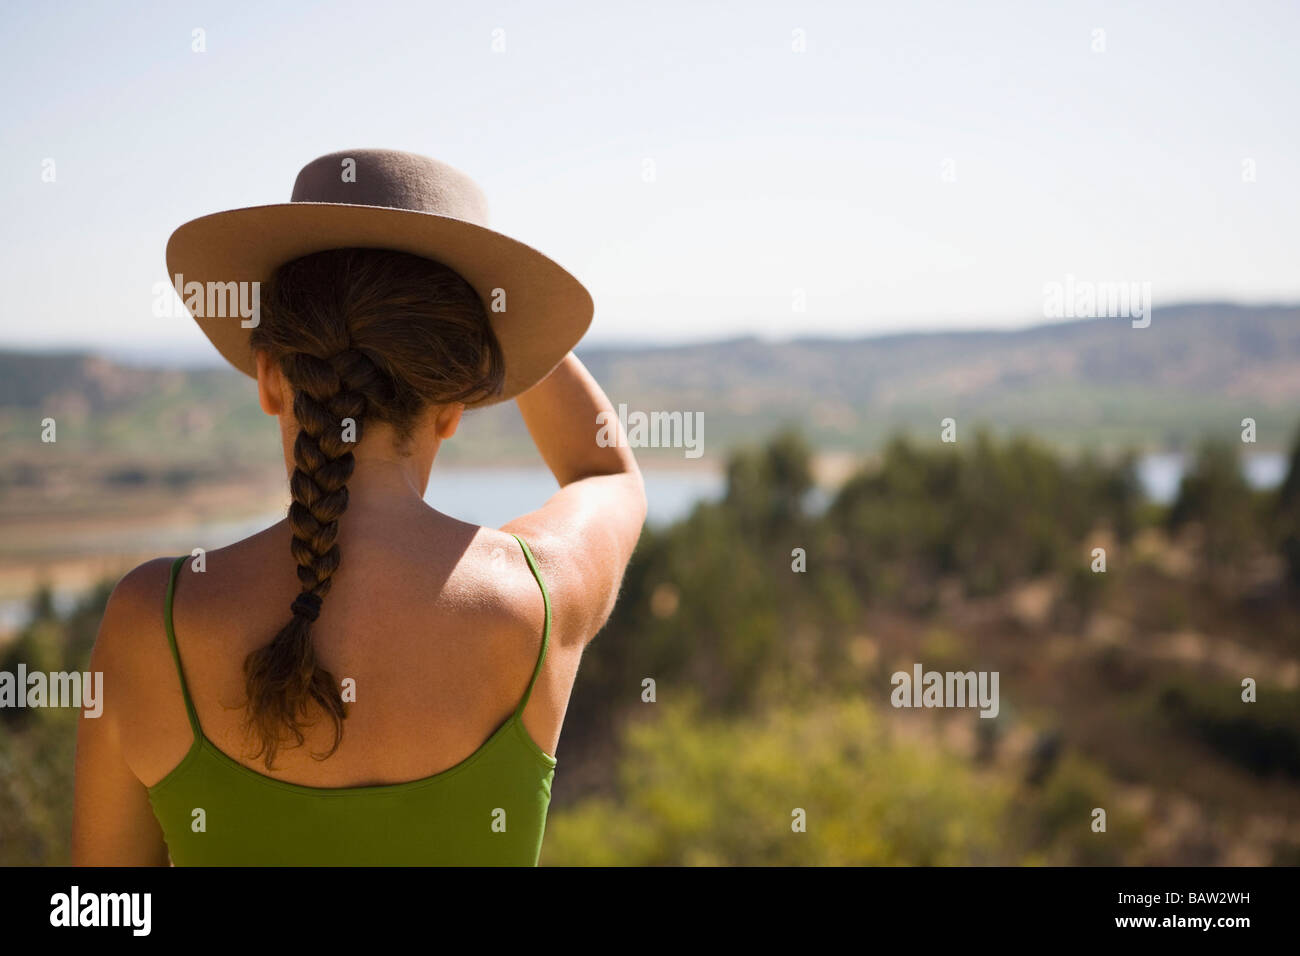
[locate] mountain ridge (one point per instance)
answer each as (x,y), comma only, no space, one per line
(1199,368)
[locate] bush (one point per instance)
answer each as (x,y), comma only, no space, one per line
(1263,737)
(698,790)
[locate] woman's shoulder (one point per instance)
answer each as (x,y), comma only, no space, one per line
(131,650)
(135,605)
(133,645)
(492,577)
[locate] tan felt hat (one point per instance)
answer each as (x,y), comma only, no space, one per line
(386,199)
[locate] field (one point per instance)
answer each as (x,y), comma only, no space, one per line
(1121,689)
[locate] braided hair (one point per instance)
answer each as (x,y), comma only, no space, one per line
(360,335)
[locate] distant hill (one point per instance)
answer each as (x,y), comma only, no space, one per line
(1100,382)
(1197,369)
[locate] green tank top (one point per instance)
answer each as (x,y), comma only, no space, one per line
(487,810)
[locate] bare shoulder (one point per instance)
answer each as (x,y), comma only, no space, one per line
(574,577)
(135,606)
(507,585)
(131,650)
(583,538)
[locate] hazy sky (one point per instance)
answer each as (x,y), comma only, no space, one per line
(775,170)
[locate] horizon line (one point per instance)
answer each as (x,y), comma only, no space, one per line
(202,356)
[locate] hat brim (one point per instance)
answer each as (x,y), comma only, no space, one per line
(546,311)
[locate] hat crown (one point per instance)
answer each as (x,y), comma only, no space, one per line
(391,179)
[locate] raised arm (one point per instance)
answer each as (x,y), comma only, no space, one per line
(584,535)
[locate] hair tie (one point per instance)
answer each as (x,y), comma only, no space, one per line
(307,605)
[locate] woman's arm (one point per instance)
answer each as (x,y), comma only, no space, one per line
(585,534)
(112,822)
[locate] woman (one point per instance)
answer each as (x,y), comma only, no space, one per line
(369,681)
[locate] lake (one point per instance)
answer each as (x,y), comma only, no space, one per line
(493,496)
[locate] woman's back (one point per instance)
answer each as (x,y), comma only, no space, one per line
(369,681)
(438,624)
(439,764)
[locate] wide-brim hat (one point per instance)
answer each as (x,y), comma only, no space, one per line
(386,199)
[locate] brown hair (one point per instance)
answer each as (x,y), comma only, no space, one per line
(374,336)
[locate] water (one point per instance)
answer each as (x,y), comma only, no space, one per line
(485,496)
(494,496)
(1161,474)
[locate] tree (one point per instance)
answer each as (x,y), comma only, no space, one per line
(1286,515)
(1213,496)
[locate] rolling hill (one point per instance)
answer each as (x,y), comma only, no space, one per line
(1198,369)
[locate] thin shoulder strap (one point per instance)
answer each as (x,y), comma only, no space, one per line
(176,654)
(546,633)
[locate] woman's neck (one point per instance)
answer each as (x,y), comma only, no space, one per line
(378,478)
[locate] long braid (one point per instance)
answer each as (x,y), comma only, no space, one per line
(323,464)
(376,336)
(284,677)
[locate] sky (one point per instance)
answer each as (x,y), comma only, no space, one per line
(818,168)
